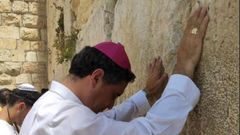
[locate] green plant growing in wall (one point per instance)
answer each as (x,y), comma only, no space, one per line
(64,44)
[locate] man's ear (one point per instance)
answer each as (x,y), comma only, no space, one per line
(96,76)
(21,106)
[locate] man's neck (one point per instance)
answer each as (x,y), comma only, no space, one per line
(79,86)
(4,114)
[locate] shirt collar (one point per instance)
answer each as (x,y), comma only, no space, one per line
(63,91)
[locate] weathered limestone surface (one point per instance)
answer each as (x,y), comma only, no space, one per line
(5,6)
(157,31)
(5,79)
(154,28)
(31,56)
(20,6)
(11,19)
(12,68)
(83,9)
(23,78)
(29,34)
(9,32)
(33,21)
(23,44)
(37,8)
(92,32)
(55,71)
(8,43)
(33,67)
(23,41)
(38,46)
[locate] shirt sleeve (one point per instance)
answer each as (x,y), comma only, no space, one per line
(135,106)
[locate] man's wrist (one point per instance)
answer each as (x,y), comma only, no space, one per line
(184,70)
(150,97)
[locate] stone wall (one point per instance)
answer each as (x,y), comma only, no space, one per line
(149,28)
(56,71)
(23,49)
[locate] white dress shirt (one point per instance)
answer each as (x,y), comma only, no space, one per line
(60,112)
(6,128)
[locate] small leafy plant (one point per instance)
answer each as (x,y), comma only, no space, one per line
(64,44)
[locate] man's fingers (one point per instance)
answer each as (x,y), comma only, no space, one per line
(195,14)
(204,25)
(203,13)
(162,80)
(162,69)
(154,62)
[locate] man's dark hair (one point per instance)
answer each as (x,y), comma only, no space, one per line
(44,90)
(4,93)
(28,97)
(89,59)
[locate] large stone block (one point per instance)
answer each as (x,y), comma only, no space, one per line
(5,55)
(34,67)
(39,78)
(23,45)
(8,44)
(12,68)
(11,19)
(29,34)
(18,55)
(5,6)
(20,7)
(23,78)
(31,56)
(33,21)
(9,32)
(37,8)
(38,46)
(5,79)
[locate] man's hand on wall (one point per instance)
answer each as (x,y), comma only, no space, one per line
(190,49)
(156,80)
